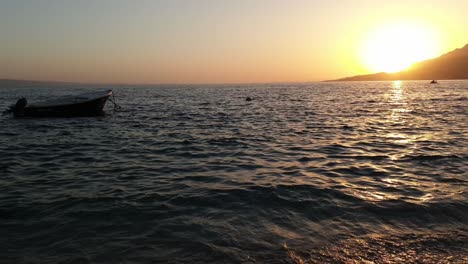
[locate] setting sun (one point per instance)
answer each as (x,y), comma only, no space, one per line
(394,47)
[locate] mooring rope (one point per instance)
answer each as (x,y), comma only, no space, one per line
(116,106)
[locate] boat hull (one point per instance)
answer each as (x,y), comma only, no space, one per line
(89,108)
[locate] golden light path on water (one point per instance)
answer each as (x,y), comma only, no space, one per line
(397,100)
(396,129)
(399,108)
(397,117)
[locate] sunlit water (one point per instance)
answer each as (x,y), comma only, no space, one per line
(321,172)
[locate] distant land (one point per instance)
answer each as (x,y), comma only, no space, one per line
(450,66)
(15,83)
(11,83)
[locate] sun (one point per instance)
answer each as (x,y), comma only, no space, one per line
(395,46)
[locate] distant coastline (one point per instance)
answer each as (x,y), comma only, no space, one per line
(450,66)
(14,83)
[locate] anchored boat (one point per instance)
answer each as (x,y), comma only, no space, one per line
(86,104)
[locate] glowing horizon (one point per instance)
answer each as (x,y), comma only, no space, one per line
(204,41)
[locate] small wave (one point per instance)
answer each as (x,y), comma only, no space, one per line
(434,157)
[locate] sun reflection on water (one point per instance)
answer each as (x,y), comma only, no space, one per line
(399,109)
(397,100)
(396,91)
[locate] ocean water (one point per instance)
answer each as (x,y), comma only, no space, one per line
(351,172)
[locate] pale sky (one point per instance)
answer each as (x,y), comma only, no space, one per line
(207,41)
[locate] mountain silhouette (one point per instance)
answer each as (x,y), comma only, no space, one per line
(450,66)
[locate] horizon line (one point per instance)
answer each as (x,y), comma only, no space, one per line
(156,83)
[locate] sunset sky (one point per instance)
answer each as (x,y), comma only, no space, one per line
(212,41)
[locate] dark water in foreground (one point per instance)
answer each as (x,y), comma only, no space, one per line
(321,172)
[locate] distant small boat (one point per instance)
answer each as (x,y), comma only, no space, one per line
(86,104)
(433,81)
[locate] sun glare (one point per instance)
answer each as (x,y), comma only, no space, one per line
(395,46)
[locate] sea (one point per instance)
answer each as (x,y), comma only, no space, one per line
(324,172)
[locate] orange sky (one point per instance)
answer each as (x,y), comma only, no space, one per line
(201,41)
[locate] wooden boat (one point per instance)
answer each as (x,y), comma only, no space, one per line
(87,104)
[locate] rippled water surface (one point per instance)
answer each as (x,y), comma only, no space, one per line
(320,172)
